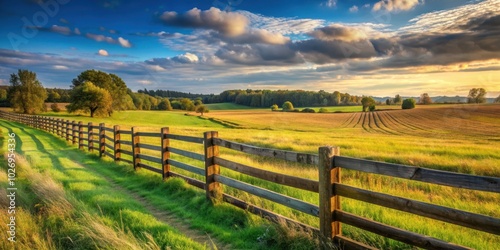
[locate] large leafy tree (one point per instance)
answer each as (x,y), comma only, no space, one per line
(26,94)
(91,98)
(425,99)
(110,82)
(368,103)
(476,95)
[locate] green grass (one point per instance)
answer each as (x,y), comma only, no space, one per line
(85,181)
(469,145)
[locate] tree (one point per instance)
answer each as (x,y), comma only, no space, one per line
(388,101)
(197,102)
(187,104)
(53,96)
(425,99)
(323,110)
(497,100)
(367,102)
(287,106)
(408,104)
(397,99)
(26,95)
(164,105)
(274,107)
(110,82)
(476,95)
(201,109)
(3,94)
(55,107)
(88,97)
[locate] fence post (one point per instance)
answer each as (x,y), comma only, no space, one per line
(116,147)
(102,139)
(165,153)
(135,148)
(328,201)
(80,135)
(74,132)
(90,131)
(212,188)
(67,130)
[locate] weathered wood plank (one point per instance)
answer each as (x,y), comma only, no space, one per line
(292,181)
(124,142)
(123,151)
(270,195)
(274,153)
(187,167)
(186,138)
(150,134)
(149,158)
(108,129)
(125,132)
(398,234)
(328,201)
(264,213)
(150,168)
(191,155)
(109,138)
(109,146)
(165,154)
(349,244)
(189,180)
(151,147)
(482,183)
(450,215)
(108,154)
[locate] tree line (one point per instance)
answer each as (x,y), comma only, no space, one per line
(101,93)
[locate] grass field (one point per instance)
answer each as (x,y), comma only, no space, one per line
(460,138)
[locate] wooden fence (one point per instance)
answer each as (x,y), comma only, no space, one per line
(329,186)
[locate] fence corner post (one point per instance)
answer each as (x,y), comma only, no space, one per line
(80,135)
(328,201)
(165,153)
(90,131)
(136,150)
(116,142)
(102,139)
(212,188)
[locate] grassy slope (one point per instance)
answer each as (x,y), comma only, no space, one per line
(82,178)
(467,145)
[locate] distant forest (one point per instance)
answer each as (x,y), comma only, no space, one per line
(266,98)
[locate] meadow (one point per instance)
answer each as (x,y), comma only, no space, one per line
(459,138)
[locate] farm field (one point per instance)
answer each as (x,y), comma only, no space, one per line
(459,138)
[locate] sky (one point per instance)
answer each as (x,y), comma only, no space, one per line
(376,48)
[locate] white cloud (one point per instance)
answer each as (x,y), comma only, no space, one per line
(330,3)
(60,67)
(101,38)
(102,52)
(282,25)
(124,42)
(61,29)
(395,5)
(188,57)
(353,9)
(77,31)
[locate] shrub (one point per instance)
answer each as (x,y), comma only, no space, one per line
(372,107)
(55,107)
(408,104)
(287,106)
(309,110)
(274,107)
(323,110)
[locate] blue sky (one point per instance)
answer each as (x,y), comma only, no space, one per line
(379,47)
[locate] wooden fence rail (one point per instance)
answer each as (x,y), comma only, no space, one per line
(108,141)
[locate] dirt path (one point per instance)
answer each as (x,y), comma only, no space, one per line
(161,215)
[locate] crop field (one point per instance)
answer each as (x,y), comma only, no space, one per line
(459,138)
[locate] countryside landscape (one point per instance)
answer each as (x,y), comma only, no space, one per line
(258,127)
